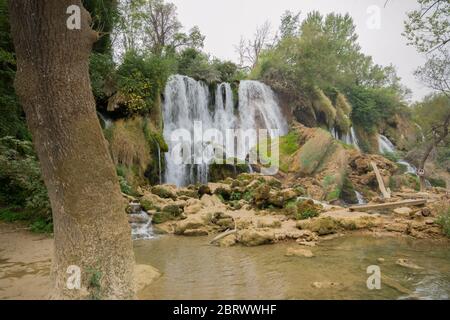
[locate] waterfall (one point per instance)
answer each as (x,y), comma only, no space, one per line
(189,113)
(104,120)
(409,167)
(354,138)
(141,226)
(348,138)
(386,146)
(159,162)
(258,109)
(360,198)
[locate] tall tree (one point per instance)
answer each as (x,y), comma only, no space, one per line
(428,29)
(249,50)
(153,25)
(52,82)
(290,24)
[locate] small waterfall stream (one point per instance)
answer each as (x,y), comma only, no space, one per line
(360,198)
(190,112)
(349,138)
(386,146)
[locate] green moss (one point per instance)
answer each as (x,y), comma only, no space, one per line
(289,144)
(334,195)
(161,217)
(323,105)
(147,205)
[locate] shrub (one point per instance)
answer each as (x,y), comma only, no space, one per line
(21,184)
(141,79)
(444,220)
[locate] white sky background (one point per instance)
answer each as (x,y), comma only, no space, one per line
(223,22)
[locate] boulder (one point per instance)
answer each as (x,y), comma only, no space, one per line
(321,226)
(190,226)
(268,222)
(144,275)
(213,201)
(228,241)
(255,237)
(204,189)
(405,211)
(185,192)
(151,201)
(165,191)
(173,209)
(193,206)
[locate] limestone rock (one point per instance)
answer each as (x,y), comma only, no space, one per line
(406,212)
(299,252)
(165,191)
(144,275)
(193,206)
(255,237)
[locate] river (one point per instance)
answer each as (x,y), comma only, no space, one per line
(192,269)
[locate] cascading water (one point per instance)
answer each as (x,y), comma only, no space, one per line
(159,163)
(360,198)
(141,226)
(188,109)
(104,120)
(386,146)
(348,138)
(258,109)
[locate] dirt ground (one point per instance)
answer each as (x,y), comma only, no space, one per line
(25,261)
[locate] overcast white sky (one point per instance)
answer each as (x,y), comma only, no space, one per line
(225,21)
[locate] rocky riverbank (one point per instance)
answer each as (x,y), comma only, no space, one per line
(253,210)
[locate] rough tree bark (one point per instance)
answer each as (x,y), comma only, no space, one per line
(90,225)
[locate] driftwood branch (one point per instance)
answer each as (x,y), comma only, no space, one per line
(386,193)
(391,205)
(226,233)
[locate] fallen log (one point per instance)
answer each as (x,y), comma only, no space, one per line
(223,235)
(391,205)
(386,192)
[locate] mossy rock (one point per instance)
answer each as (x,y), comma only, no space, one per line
(164,192)
(322,226)
(147,205)
(161,217)
(311,155)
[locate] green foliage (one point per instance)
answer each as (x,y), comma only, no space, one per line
(429,26)
(323,106)
(289,144)
(431,113)
(444,220)
(20,177)
(325,54)
(125,187)
(104,15)
(438,183)
(141,79)
(303,209)
(12,120)
(102,72)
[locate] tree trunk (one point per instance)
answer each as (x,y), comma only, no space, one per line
(90,225)
(422,164)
